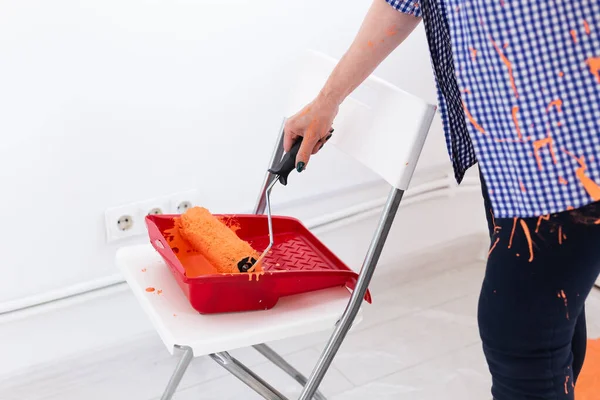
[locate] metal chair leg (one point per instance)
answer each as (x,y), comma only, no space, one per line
(279,361)
(366,273)
(247,376)
(186,359)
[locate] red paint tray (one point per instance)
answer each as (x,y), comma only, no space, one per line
(297,263)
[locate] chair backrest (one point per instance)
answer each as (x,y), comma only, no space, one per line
(379,124)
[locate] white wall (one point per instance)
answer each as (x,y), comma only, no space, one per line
(106,102)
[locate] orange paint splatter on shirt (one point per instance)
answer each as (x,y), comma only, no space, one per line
(522,185)
(562,181)
(150,289)
(473,53)
(538,144)
(466,91)
(505,45)
(493,247)
(555,103)
(561,74)
(574,35)
(586,27)
(528,237)
(508,64)
(542,217)
(472,120)
(570,208)
(591,187)
(512,233)
(515,110)
(593,64)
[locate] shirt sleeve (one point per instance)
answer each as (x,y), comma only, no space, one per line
(411,7)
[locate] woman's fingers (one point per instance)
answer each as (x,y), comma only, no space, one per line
(322,142)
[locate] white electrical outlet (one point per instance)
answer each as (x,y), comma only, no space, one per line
(180,202)
(123,222)
(154,207)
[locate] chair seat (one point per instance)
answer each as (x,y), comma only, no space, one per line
(178,323)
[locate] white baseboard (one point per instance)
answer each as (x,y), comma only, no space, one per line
(60,329)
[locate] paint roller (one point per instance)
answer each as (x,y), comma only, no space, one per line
(217,242)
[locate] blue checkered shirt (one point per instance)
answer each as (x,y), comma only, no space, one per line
(519,92)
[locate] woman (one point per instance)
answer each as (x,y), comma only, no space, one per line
(519,93)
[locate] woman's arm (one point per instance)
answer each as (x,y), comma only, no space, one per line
(382,30)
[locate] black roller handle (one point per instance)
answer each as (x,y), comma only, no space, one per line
(288,162)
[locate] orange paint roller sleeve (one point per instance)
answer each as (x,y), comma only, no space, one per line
(220,245)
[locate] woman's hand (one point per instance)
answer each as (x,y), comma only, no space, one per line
(313,123)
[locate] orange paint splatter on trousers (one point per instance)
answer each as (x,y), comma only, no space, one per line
(473,53)
(562,181)
(574,35)
(538,144)
(587,27)
(508,64)
(496,227)
(593,64)
(591,187)
(472,120)
(566,381)
(515,110)
(512,233)
(494,246)
(560,235)
(542,217)
(555,103)
(563,296)
(150,289)
(528,237)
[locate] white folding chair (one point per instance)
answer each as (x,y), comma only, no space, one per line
(385,129)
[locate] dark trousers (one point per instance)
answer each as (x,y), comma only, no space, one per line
(531,308)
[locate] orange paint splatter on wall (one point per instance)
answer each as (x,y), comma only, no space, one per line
(159,292)
(508,65)
(473,53)
(512,233)
(144,270)
(586,26)
(593,64)
(515,110)
(574,35)
(555,103)
(528,237)
(537,146)
(472,120)
(150,289)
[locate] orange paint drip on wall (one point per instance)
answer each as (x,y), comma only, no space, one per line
(528,237)
(586,27)
(472,120)
(538,144)
(515,110)
(555,103)
(593,64)
(508,64)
